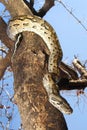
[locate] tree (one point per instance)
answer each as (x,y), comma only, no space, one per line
(29,65)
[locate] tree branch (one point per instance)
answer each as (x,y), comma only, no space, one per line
(3,35)
(30,6)
(76,82)
(32,2)
(48,4)
(4,63)
(71,71)
(16,7)
(80,68)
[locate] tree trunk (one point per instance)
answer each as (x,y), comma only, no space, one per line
(29,66)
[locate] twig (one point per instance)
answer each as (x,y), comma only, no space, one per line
(3,50)
(80,68)
(73,15)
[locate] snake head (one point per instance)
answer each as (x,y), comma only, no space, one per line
(60,103)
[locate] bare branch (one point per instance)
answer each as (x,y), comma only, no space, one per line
(32,2)
(16,10)
(80,82)
(16,7)
(48,4)
(3,50)
(69,69)
(3,35)
(80,68)
(4,63)
(3,1)
(72,84)
(2,106)
(30,6)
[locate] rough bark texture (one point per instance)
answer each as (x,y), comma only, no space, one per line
(28,67)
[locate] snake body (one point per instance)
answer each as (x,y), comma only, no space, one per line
(39,26)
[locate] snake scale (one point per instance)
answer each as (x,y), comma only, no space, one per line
(39,26)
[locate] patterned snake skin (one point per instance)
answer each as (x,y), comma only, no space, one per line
(39,26)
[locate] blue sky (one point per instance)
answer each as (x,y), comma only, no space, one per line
(73,40)
(71,35)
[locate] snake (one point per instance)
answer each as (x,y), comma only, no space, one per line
(41,27)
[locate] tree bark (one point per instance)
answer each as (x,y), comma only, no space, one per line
(29,68)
